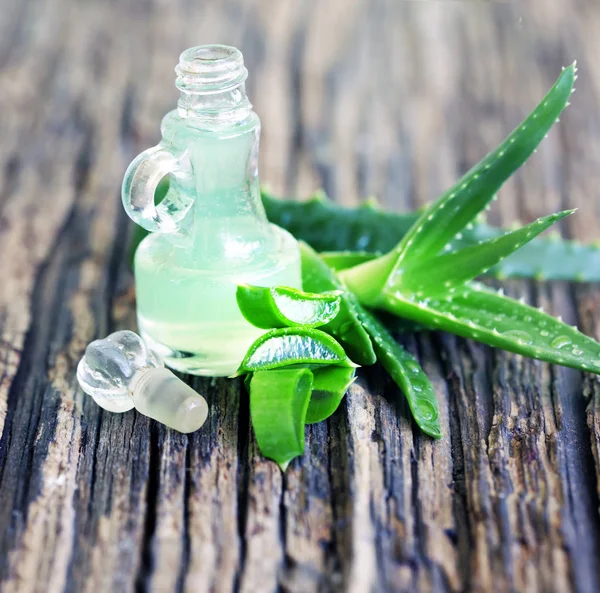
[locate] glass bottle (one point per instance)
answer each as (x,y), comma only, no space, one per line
(210,232)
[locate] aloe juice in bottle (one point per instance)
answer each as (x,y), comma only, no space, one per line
(210,233)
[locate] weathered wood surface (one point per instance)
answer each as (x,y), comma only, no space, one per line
(361,97)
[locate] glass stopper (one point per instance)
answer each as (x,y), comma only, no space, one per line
(121,373)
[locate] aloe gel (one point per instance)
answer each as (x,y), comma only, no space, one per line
(210,233)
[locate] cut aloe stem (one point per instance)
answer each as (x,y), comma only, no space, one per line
(329,387)
(346,327)
(293,346)
(278,404)
(280,306)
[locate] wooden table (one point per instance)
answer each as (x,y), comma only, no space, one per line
(360,97)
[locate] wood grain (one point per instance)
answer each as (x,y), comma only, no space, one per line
(381,97)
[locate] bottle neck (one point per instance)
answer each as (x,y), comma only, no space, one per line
(211,80)
(227,224)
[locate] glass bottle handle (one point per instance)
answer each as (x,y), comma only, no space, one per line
(139,186)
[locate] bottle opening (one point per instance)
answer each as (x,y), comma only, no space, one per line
(210,68)
(210,53)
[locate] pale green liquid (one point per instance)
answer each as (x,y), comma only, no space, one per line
(190,315)
(186,281)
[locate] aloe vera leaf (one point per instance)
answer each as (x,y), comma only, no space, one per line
(448,215)
(447,272)
(279,401)
(479,313)
(543,258)
(292,346)
(341,260)
(280,306)
(327,226)
(346,327)
(406,372)
(329,387)
(318,222)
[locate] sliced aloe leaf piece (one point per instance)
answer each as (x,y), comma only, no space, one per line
(278,404)
(454,210)
(280,306)
(292,346)
(329,387)
(444,273)
(406,372)
(486,316)
(346,327)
